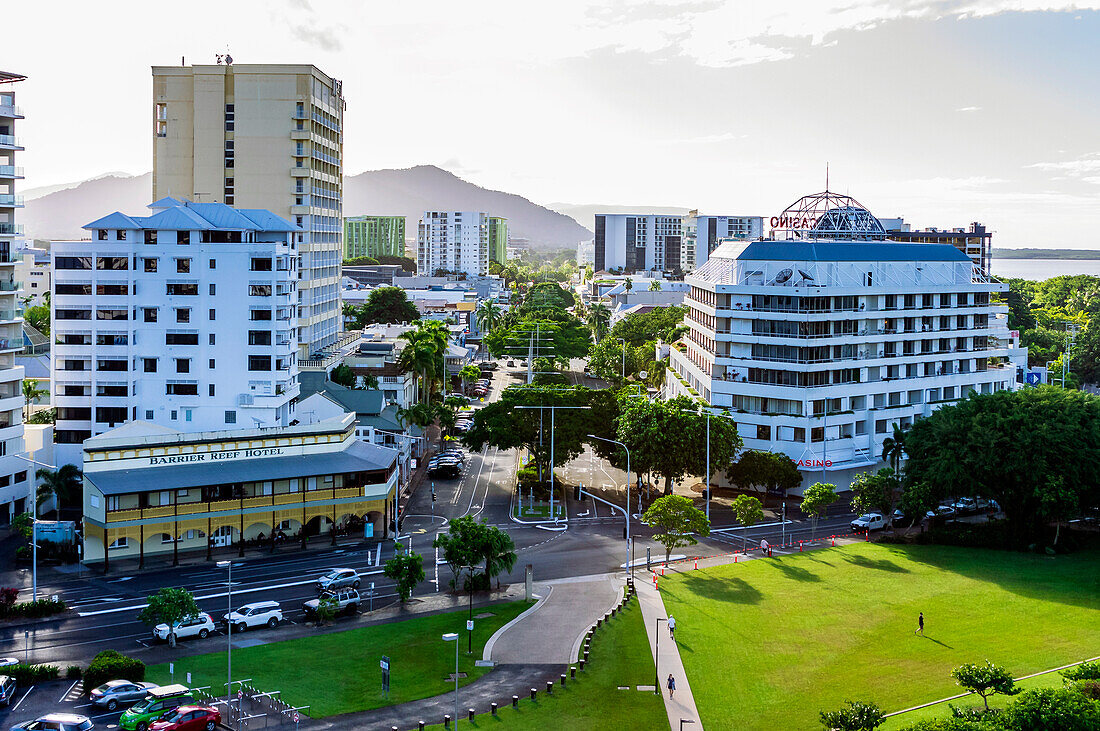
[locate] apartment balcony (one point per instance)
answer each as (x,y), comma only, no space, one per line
(10,286)
(12,344)
(11,110)
(11,201)
(11,171)
(295,172)
(11,229)
(299,134)
(7,316)
(11,142)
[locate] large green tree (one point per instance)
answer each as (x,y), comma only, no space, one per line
(170,605)
(406,569)
(64,484)
(669,438)
(676,518)
(816,500)
(985,680)
(388,305)
(748,511)
(765,471)
(1017,447)
(878,492)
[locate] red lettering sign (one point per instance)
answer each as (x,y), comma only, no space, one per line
(796,222)
(815,463)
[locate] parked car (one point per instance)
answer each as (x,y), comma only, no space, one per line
(447,471)
(199,626)
(56,722)
(965,506)
(7,662)
(943,511)
(462,396)
(489,365)
(115,693)
(338,578)
(160,701)
(869,522)
(256,614)
(511,364)
(347,600)
(454,454)
(189,718)
(7,689)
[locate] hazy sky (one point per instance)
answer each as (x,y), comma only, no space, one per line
(944,112)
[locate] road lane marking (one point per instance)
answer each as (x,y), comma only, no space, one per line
(16,706)
(68,691)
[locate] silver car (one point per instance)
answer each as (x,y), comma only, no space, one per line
(115,693)
(337,579)
(56,722)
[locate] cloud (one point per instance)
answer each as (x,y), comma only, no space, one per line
(326,39)
(1082,167)
(968,109)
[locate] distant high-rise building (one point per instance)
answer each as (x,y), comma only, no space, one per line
(374,236)
(637,243)
(498,239)
(975,241)
(185,318)
(268,137)
(453,241)
(702,234)
(14,485)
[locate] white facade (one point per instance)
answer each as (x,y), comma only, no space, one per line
(186,318)
(637,243)
(818,348)
(454,241)
(14,486)
(33,271)
(712,231)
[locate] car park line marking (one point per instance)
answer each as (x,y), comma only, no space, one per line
(139,607)
(16,706)
(59,700)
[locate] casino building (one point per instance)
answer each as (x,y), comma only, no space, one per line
(152,490)
(822,338)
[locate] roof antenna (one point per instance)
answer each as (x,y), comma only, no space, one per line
(826,176)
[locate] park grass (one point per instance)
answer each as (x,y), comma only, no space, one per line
(769,643)
(620,655)
(339,672)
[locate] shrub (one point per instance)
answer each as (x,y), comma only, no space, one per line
(1089,689)
(74,672)
(1050,708)
(112,665)
(30,674)
(1084,671)
(8,595)
(32,610)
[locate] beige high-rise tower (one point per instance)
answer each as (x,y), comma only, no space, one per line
(262,136)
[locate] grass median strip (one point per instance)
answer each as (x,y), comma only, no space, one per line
(339,672)
(620,657)
(770,643)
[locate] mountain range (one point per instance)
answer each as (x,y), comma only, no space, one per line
(59,211)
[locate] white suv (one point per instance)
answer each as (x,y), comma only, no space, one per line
(256,614)
(199,626)
(868,522)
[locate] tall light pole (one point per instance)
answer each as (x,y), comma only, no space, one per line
(229,634)
(657,654)
(612,441)
(623,341)
(707,414)
(552,410)
(453,637)
(31,503)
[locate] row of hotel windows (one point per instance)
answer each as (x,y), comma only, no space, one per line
(181,289)
(255,337)
(182,238)
(149,264)
(846,303)
(183,365)
(149,314)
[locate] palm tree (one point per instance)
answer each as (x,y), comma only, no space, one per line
(65,483)
(488,316)
(469,372)
(419,358)
(655,285)
(629,284)
(31,392)
(893,449)
(598,317)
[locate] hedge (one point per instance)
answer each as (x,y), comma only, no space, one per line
(9,608)
(112,665)
(30,674)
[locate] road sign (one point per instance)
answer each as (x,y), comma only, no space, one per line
(189,678)
(295,717)
(643,375)
(469,625)
(385,663)
(240,694)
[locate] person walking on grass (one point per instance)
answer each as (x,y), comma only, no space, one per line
(671,686)
(920,625)
(672,627)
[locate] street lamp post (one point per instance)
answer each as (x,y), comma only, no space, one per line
(31,503)
(453,637)
(657,654)
(613,441)
(553,409)
(623,341)
(229,634)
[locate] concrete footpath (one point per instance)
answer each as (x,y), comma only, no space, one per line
(667,656)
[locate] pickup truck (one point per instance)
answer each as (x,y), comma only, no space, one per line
(869,522)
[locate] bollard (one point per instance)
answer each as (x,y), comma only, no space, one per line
(534,691)
(599,622)
(581,664)
(573,672)
(394,728)
(585,656)
(420,726)
(515,701)
(493,708)
(447,721)
(867,536)
(549,687)
(470,714)
(800,546)
(563,678)
(833,538)
(696,564)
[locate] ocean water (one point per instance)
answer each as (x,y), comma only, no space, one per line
(1039,269)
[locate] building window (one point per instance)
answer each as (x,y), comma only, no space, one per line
(211,367)
(120,543)
(183,266)
(259,362)
(259,337)
(149,365)
(102,234)
(211,338)
(183,314)
(113,263)
(183,365)
(210,390)
(183,238)
(211,314)
(150,265)
(213,264)
(183,288)
(173,416)
(120,235)
(148,414)
(181,389)
(181,338)
(212,289)
(231,417)
(150,237)
(150,314)
(259,290)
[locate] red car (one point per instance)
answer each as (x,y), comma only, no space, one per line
(189,718)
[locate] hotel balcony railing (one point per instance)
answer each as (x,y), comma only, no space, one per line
(10,200)
(280,500)
(10,286)
(11,228)
(11,171)
(11,314)
(11,141)
(10,110)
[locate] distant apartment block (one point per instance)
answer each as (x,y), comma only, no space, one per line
(975,241)
(637,243)
(498,239)
(266,137)
(703,234)
(453,241)
(374,236)
(14,487)
(185,318)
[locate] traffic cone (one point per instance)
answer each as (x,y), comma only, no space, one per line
(833,539)
(800,546)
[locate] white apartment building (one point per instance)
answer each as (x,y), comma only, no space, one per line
(265,136)
(818,345)
(14,485)
(185,318)
(637,243)
(703,234)
(32,269)
(453,241)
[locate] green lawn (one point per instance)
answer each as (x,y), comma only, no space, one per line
(339,672)
(620,656)
(769,643)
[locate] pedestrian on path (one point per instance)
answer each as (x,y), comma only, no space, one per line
(764,547)
(920,625)
(672,627)
(671,686)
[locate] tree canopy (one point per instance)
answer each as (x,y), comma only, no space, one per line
(1022,448)
(758,469)
(470,544)
(384,305)
(169,605)
(676,519)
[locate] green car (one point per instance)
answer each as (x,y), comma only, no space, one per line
(160,701)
